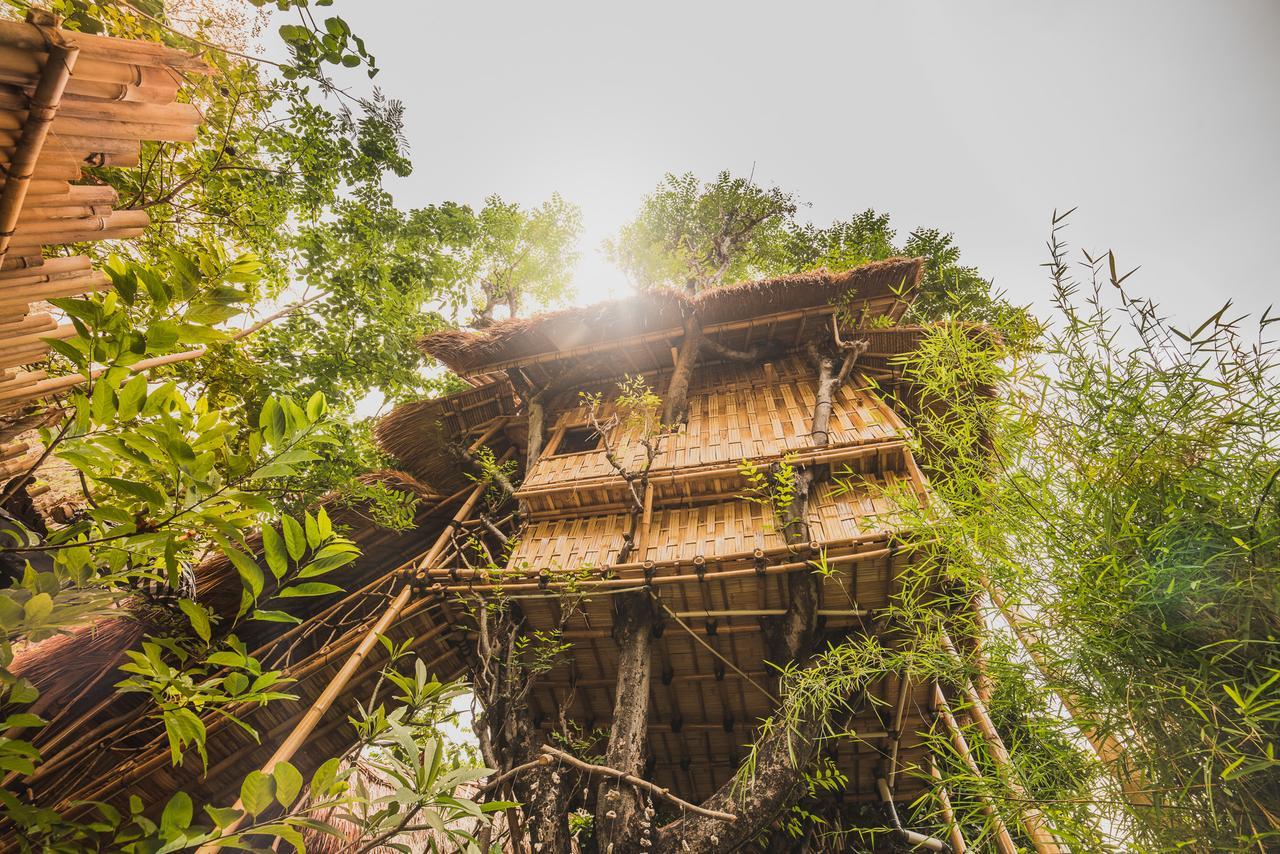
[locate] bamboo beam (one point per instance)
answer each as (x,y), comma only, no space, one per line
(1004,842)
(659,580)
(1032,818)
(51,83)
(340,679)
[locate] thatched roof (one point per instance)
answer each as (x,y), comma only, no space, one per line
(75,673)
(421,435)
(614,323)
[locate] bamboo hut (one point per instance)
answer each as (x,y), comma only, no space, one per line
(717,566)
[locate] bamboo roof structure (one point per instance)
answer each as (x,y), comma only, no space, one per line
(68,101)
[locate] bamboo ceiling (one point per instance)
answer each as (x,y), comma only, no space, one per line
(68,100)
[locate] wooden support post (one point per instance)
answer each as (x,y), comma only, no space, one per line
(1004,842)
(1032,819)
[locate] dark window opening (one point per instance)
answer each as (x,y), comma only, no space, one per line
(577,440)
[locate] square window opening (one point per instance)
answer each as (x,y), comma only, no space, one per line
(577,440)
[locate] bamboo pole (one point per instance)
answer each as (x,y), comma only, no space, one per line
(915,840)
(1032,819)
(1110,750)
(958,845)
(899,716)
(43,272)
(51,83)
(1004,842)
(340,679)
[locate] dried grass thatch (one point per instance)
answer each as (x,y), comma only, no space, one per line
(421,435)
(657,311)
(76,673)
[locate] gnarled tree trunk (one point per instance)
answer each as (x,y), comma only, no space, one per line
(619,807)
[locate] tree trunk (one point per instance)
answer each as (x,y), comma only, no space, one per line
(620,819)
(537,432)
(820,429)
(543,795)
(781,759)
(676,409)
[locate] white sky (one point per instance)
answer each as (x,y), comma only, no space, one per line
(1158,119)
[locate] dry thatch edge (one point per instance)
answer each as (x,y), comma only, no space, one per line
(464,350)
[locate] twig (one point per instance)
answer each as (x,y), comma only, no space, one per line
(502,778)
(605,770)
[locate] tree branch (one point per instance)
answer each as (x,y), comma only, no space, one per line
(633,780)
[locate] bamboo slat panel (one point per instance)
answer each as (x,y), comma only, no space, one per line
(731,526)
(733,415)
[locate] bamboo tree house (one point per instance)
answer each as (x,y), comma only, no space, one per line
(797,371)
(716,562)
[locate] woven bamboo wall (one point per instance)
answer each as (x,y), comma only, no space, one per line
(702,535)
(730,526)
(759,414)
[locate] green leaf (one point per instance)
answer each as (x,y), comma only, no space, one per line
(323,525)
(325,564)
(316,406)
(22,719)
(314,539)
(274,616)
(198,616)
(294,538)
(223,816)
(249,570)
(69,350)
(288,783)
(38,607)
(177,814)
(257,792)
(102,403)
(324,778)
(309,588)
(143,492)
(274,549)
(131,397)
